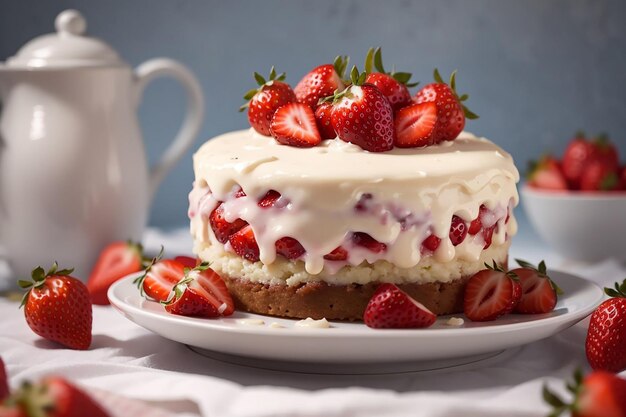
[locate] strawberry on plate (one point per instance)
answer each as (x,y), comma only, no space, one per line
(263,101)
(4,382)
(321,82)
(416,125)
(188,261)
(362,115)
(599,394)
(57,307)
(294,124)
(546,174)
(159,278)
(53,396)
(244,244)
(323,120)
(451,112)
(394,85)
(116,261)
(606,338)
(539,292)
(392,308)
(599,176)
(491,293)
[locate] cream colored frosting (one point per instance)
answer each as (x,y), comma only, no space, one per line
(415,193)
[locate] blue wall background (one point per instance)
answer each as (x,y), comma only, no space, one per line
(535,71)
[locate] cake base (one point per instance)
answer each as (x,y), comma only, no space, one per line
(337,302)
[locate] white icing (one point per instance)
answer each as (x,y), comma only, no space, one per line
(455,321)
(316,324)
(251,322)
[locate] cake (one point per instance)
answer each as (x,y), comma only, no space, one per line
(312,231)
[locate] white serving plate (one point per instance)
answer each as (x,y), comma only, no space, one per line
(355,343)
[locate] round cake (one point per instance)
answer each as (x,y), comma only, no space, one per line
(311,232)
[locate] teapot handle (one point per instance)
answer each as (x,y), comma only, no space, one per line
(187,133)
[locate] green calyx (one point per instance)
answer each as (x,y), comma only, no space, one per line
(452,83)
(137,248)
(262,82)
(559,406)
(499,268)
(34,399)
(542,271)
(38,279)
(341,64)
(609,182)
(618,291)
(374,60)
(181,286)
(356,79)
(140,279)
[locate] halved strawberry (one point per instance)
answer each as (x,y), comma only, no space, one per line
(322,118)
(458,230)
(222,228)
(215,288)
(394,85)
(4,382)
(188,261)
(491,293)
(190,299)
(546,174)
(431,243)
(338,254)
(159,278)
(539,292)
(390,307)
(244,244)
(365,240)
(294,124)
(116,261)
(321,82)
(289,247)
(262,102)
(415,125)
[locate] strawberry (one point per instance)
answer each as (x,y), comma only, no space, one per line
(294,124)
(488,235)
(53,396)
(289,247)
(451,112)
(598,176)
(57,307)
(338,254)
(362,115)
(431,243)
(622,178)
(215,288)
(222,229)
(368,242)
(546,174)
(4,382)
(262,102)
(270,199)
(416,125)
(476,225)
(539,292)
(321,82)
(491,293)
(244,244)
(160,277)
(390,307)
(577,154)
(458,230)
(188,261)
(116,261)
(324,124)
(394,85)
(599,394)
(605,151)
(606,338)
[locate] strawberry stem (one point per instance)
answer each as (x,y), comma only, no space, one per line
(618,292)
(542,271)
(374,59)
(262,82)
(452,83)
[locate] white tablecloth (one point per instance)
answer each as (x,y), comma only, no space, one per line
(125,359)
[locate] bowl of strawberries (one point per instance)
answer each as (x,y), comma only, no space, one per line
(577,204)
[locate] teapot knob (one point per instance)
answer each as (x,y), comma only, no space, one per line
(70,22)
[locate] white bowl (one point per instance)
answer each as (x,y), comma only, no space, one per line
(583,226)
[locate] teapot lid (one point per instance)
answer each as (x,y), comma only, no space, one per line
(68,47)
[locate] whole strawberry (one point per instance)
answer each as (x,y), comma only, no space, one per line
(577,155)
(451,113)
(605,151)
(262,102)
(546,174)
(322,82)
(323,120)
(394,85)
(599,394)
(606,338)
(599,176)
(362,115)
(58,307)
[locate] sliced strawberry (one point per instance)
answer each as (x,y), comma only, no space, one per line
(4,382)
(491,293)
(368,242)
(416,125)
(294,124)
(117,260)
(392,84)
(390,307)
(598,176)
(262,102)
(546,174)
(188,261)
(322,118)
(539,292)
(269,199)
(321,82)
(190,300)
(289,247)
(338,254)
(458,230)
(159,278)
(215,288)
(244,244)
(222,228)
(431,243)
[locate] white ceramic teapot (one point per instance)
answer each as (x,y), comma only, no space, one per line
(73,172)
